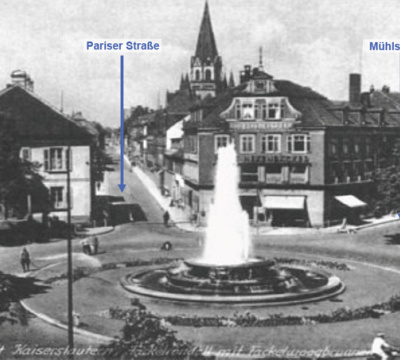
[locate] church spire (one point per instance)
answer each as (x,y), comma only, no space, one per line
(206,45)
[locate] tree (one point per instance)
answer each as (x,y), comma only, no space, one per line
(18,177)
(12,290)
(387,180)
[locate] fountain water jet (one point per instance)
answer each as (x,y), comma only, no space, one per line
(227,239)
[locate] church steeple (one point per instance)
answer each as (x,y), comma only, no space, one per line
(206,64)
(206,47)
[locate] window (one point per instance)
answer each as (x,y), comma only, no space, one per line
(346,147)
(191,143)
(298,144)
(238,111)
(249,172)
(248,113)
(260,85)
(57,197)
(332,148)
(256,111)
(26,154)
(356,147)
(368,147)
(221,141)
(197,75)
(247,143)
(56,159)
(264,111)
(273,111)
(271,144)
(208,75)
(298,169)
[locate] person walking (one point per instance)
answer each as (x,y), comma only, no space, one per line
(25,259)
(86,246)
(166,218)
(95,245)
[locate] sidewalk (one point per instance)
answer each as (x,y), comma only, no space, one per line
(179,217)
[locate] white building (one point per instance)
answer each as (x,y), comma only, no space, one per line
(45,134)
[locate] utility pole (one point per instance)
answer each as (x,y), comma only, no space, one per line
(69,252)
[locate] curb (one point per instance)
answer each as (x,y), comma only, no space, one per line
(376,224)
(59,324)
(86,233)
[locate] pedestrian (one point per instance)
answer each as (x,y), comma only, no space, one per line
(86,246)
(95,245)
(166,218)
(25,259)
(166,246)
(380,349)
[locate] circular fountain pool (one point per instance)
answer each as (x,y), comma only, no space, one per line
(254,281)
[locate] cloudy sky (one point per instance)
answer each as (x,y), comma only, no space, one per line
(316,43)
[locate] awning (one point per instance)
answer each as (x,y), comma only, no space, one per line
(350,201)
(284,202)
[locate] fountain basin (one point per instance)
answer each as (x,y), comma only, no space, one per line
(257,281)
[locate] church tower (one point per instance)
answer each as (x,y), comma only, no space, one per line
(206,64)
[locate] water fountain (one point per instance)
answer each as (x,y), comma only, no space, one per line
(227,271)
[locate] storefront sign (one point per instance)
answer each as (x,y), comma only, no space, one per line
(260,125)
(298,159)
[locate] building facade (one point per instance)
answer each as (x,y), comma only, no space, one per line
(45,135)
(303,160)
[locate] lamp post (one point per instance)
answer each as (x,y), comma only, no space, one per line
(69,252)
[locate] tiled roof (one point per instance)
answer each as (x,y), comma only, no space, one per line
(386,100)
(37,120)
(316,110)
(181,102)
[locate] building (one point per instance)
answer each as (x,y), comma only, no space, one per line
(45,134)
(304,160)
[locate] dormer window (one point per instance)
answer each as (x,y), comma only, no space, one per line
(248,111)
(273,111)
(238,111)
(260,85)
(264,111)
(256,111)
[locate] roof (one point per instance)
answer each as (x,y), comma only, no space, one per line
(206,45)
(385,99)
(37,120)
(181,102)
(316,109)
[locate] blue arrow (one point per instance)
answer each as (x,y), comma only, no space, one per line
(122,185)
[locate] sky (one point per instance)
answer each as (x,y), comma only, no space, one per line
(315,43)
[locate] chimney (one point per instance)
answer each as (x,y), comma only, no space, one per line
(354,88)
(21,78)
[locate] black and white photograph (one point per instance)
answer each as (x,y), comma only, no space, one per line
(200,179)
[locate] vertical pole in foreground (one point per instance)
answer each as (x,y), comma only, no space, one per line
(69,252)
